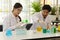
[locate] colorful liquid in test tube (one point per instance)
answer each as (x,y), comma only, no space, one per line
(53,29)
(58,27)
(44,30)
(39,29)
(25,20)
(8,32)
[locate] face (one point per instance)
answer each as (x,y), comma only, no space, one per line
(45,13)
(17,11)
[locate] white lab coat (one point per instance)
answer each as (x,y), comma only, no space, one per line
(11,22)
(38,16)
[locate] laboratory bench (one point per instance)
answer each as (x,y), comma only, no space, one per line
(30,36)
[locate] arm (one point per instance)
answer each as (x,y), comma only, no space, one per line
(7,24)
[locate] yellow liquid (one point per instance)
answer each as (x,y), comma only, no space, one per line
(39,29)
(59,27)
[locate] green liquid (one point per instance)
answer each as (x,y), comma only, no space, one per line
(44,30)
(53,30)
(25,21)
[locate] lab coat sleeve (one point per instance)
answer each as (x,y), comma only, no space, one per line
(34,18)
(49,22)
(6,23)
(18,25)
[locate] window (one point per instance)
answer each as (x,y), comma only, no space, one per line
(4,9)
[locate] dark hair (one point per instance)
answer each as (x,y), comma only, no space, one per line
(17,5)
(19,18)
(47,7)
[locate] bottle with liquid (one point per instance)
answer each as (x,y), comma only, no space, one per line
(21,31)
(25,21)
(58,27)
(53,29)
(44,30)
(39,29)
(8,32)
(44,27)
(49,27)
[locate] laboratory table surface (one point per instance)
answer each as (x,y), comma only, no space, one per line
(29,35)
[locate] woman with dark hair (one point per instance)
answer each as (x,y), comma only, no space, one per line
(13,20)
(17,9)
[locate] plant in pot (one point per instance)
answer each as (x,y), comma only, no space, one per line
(36,7)
(53,11)
(59,10)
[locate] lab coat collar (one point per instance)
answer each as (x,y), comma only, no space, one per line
(13,15)
(42,16)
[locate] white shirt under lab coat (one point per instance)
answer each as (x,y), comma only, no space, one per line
(38,16)
(11,22)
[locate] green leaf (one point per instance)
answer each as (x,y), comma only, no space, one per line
(36,6)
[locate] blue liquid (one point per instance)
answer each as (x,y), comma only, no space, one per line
(9,32)
(20,32)
(48,31)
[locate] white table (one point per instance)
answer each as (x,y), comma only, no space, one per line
(31,36)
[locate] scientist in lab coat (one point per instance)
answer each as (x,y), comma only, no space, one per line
(42,17)
(13,20)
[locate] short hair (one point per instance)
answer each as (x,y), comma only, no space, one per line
(17,5)
(46,7)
